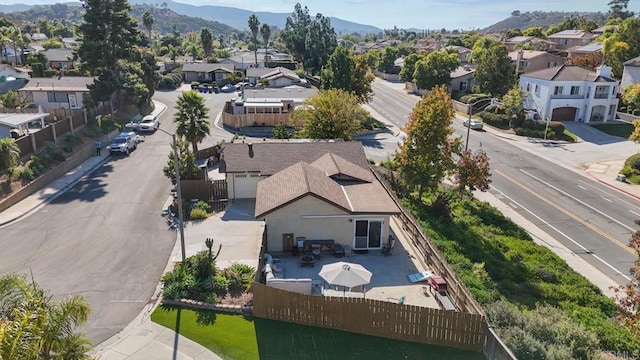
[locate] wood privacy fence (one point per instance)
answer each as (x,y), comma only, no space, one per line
(212,191)
(372,317)
(245,120)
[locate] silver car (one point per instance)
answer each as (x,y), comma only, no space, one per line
(123,143)
(149,123)
(474,124)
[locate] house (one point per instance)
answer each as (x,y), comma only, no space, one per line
(462,79)
(592,48)
(206,72)
(281,77)
(569,38)
(630,74)
(64,92)
(527,61)
(316,190)
(10,55)
(463,52)
(571,92)
(601,30)
(70,43)
(242,60)
(19,122)
(59,59)
(8,73)
(534,43)
(38,37)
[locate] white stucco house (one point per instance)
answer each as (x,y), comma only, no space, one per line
(64,92)
(630,74)
(314,190)
(571,93)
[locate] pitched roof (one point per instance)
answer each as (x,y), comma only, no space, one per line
(519,39)
(257,72)
(571,34)
(567,73)
(59,54)
(339,168)
(63,83)
(633,62)
(279,72)
(286,93)
(268,158)
(590,48)
(462,70)
(526,54)
(294,182)
(207,67)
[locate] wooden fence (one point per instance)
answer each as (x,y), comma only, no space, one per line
(245,120)
(372,317)
(212,191)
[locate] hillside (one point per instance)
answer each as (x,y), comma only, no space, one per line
(540,19)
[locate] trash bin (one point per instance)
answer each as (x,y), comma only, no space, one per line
(621,178)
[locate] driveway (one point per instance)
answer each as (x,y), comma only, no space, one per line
(590,134)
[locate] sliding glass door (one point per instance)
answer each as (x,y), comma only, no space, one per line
(368,234)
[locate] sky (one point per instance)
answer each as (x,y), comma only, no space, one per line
(420,14)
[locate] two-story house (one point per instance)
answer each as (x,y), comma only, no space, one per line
(569,38)
(630,74)
(571,93)
(519,42)
(527,61)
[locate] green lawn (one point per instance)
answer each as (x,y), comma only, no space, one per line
(236,337)
(619,129)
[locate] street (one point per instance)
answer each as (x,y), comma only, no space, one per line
(592,220)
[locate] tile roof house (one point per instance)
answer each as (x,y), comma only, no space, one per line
(630,74)
(64,92)
(536,43)
(462,79)
(206,72)
(316,190)
(276,77)
(527,61)
(570,38)
(579,50)
(60,59)
(572,93)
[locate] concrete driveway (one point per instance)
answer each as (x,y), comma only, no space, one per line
(590,134)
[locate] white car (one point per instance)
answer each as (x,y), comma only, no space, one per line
(133,125)
(123,143)
(475,124)
(149,123)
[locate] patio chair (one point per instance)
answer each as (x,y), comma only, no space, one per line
(338,250)
(400,299)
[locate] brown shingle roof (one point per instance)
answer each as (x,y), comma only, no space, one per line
(63,83)
(633,62)
(295,182)
(566,73)
(339,168)
(268,158)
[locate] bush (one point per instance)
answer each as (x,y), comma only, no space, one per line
(633,162)
(204,206)
(37,164)
(470,98)
(25,174)
(500,121)
(51,72)
(198,214)
(70,141)
(51,152)
(239,276)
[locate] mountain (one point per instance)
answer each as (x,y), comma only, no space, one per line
(540,19)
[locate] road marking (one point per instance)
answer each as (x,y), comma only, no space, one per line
(587,251)
(604,198)
(579,201)
(513,205)
(634,213)
(568,213)
(582,187)
(623,199)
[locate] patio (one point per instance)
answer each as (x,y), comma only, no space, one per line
(389,281)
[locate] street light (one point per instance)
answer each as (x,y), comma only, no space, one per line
(178,190)
(466,144)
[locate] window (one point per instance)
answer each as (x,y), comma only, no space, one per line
(240,176)
(612,110)
(557,90)
(57,97)
(463,86)
(528,87)
(368,234)
(614,91)
(255,175)
(575,90)
(537,89)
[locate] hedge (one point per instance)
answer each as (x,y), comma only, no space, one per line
(500,121)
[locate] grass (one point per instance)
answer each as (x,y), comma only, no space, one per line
(237,337)
(569,136)
(623,130)
(372,123)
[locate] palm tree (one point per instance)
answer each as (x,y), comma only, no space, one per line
(191,118)
(254,26)
(173,53)
(265,31)
(147,21)
(9,153)
(62,319)
(16,38)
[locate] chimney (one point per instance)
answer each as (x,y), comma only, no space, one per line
(250,145)
(604,71)
(519,60)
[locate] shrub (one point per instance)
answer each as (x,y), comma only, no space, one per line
(70,141)
(633,162)
(500,121)
(37,164)
(470,98)
(204,206)
(198,214)
(51,152)
(239,276)
(25,174)
(51,72)
(220,283)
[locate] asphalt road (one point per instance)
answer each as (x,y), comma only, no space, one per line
(592,220)
(105,239)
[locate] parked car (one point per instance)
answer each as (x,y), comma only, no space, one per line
(149,123)
(123,143)
(227,88)
(133,124)
(474,124)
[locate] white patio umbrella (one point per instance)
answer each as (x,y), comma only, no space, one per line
(345,274)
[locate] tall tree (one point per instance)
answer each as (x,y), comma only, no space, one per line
(513,102)
(387,58)
(186,163)
(348,72)
(495,73)
(331,114)
(265,31)
(631,97)
(206,39)
(435,69)
(254,26)
(409,66)
(147,21)
(426,155)
(618,9)
(191,118)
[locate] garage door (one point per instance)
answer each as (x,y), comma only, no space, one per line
(564,114)
(245,185)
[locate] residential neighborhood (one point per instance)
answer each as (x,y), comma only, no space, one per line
(204,191)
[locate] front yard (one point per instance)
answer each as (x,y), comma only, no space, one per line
(623,130)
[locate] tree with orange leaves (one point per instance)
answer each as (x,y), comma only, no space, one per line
(627,297)
(426,155)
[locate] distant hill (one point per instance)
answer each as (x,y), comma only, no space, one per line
(540,19)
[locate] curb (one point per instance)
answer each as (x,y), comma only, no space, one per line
(628,193)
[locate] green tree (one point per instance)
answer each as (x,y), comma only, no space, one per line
(191,118)
(513,102)
(495,73)
(186,163)
(206,39)
(348,72)
(435,69)
(12,100)
(254,26)
(409,66)
(265,31)
(618,9)
(9,152)
(426,155)
(147,21)
(534,31)
(332,114)
(472,171)
(631,97)
(387,58)
(280,131)
(52,43)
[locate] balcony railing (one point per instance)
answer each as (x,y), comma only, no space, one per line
(565,96)
(601,96)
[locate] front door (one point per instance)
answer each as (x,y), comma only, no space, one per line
(368,234)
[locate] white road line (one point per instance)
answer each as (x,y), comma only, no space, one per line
(604,198)
(623,199)
(634,213)
(579,201)
(513,205)
(563,234)
(582,187)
